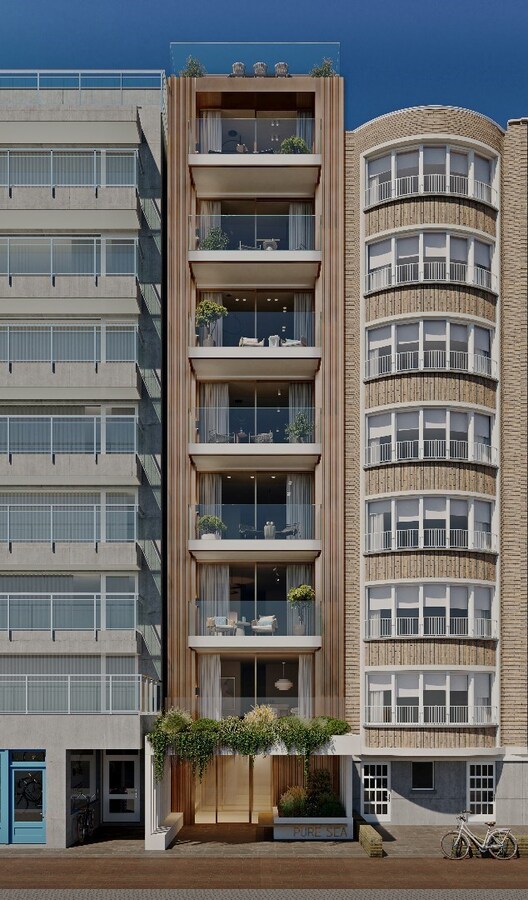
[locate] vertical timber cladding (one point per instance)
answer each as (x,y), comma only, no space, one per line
(180,679)
(514,412)
(330,661)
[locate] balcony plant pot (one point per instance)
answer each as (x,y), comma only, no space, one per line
(238,69)
(301,599)
(206,316)
(299,629)
(281,69)
(260,69)
(211,528)
(210,536)
(208,341)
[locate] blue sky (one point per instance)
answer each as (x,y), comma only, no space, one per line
(394,53)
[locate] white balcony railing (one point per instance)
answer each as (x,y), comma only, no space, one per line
(377,628)
(77,694)
(431,360)
(67,523)
(56,435)
(67,255)
(68,168)
(435,183)
(56,344)
(414,273)
(408,451)
(68,612)
(427,716)
(430,539)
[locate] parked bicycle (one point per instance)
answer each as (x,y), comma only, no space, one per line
(500,842)
(85,817)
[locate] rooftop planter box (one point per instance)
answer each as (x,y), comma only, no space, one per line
(305,828)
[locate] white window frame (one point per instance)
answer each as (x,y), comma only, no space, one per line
(480,817)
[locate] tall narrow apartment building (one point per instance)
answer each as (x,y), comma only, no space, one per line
(80,437)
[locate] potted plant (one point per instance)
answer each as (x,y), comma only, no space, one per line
(260,69)
(193,68)
(281,69)
(300,430)
(301,598)
(238,69)
(207,314)
(215,239)
(324,69)
(211,528)
(294,144)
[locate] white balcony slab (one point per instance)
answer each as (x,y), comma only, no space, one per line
(248,363)
(256,551)
(38,557)
(59,642)
(249,269)
(252,174)
(255,457)
(40,469)
(270,643)
(30,381)
(37,220)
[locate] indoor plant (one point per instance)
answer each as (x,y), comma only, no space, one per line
(300,430)
(294,144)
(211,527)
(301,598)
(207,314)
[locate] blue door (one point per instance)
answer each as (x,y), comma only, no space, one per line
(4,796)
(28,800)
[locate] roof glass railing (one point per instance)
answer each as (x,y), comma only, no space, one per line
(255,58)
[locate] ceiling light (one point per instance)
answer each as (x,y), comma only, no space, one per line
(252,477)
(283,683)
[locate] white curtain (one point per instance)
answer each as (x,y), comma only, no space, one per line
(211,494)
(299,504)
(297,574)
(211,131)
(305,682)
(218,330)
(213,583)
(300,402)
(214,413)
(301,226)
(303,319)
(210,216)
(305,127)
(210,686)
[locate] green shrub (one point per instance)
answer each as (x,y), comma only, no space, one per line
(330,807)
(215,239)
(211,525)
(294,144)
(292,803)
(324,69)
(193,68)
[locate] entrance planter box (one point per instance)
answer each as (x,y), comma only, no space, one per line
(312,829)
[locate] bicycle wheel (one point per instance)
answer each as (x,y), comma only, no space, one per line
(502,846)
(454,845)
(81,828)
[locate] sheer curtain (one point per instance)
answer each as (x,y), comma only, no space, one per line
(210,686)
(218,329)
(303,319)
(299,504)
(305,686)
(305,127)
(300,403)
(211,131)
(214,413)
(210,216)
(213,583)
(301,225)
(297,574)
(211,494)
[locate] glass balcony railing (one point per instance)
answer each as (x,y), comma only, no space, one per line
(53,435)
(278,330)
(267,233)
(67,612)
(225,57)
(53,256)
(60,168)
(217,133)
(260,619)
(256,425)
(71,694)
(255,521)
(67,523)
(68,343)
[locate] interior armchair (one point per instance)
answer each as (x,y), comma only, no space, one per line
(264,625)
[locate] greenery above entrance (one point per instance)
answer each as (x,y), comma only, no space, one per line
(198,740)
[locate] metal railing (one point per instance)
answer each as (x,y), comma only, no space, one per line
(414,361)
(255,425)
(68,612)
(68,255)
(430,539)
(430,715)
(412,273)
(402,451)
(20,343)
(278,330)
(75,84)
(68,168)
(78,694)
(434,183)
(378,627)
(55,435)
(54,523)
(271,233)
(262,618)
(255,521)
(227,135)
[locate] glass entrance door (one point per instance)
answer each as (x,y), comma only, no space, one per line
(376,792)
(121,788)
(233,790)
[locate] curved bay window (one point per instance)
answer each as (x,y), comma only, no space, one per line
(429,610)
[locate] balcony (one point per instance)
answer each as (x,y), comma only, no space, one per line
(78,695)
(432,272)
(431,361)
(423,451)
(253,251)
(381,628)
(267,625)
(436,183)
(254,156)
(243,437)
(431,716)
(68,612)
(431,539)
(71,256)
(232,532)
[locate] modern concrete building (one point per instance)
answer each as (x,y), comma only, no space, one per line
(80,434)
